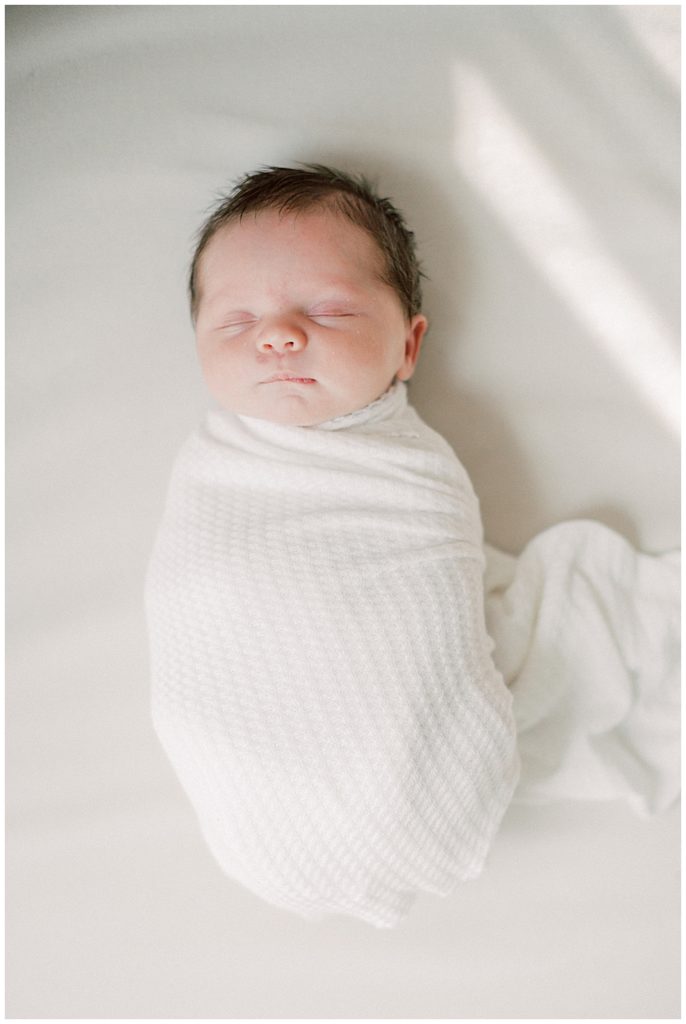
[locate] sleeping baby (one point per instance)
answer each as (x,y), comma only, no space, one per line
(322,675)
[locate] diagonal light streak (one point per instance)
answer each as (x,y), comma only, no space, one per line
(657,31)
(514,177)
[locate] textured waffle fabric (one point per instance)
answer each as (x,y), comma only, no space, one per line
(322,678)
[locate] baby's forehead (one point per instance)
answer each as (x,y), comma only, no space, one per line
(319,241)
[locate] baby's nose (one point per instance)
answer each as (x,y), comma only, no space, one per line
(282,338)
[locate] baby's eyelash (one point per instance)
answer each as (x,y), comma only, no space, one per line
(329,316)
(234,325)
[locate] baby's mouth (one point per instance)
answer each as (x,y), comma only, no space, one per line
(288,378)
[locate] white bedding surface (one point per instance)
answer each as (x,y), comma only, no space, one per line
(534,150)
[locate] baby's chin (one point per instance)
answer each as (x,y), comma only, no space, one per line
(298,410)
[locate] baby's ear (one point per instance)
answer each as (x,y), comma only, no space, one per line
(416,329)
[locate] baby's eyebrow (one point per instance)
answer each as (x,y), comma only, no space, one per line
(343,295)
(329,298)
(221,305)
(231,318)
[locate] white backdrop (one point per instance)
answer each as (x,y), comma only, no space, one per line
(535,152)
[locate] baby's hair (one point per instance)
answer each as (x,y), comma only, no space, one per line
(288,189)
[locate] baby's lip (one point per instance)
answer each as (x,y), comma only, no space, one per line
(292,378)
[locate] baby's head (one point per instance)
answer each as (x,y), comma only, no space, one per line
(305,294)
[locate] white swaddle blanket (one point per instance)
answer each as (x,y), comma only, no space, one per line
(587,635)
(323,680)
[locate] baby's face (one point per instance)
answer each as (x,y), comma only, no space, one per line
(294,323)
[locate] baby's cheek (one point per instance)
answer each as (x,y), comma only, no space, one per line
(368,354)
(222,360)
(221,378)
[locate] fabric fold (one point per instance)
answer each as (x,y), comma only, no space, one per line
(322,677)
(587,635)
(349,701)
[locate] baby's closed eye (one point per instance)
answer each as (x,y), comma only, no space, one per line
(327,313)
(236,322)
